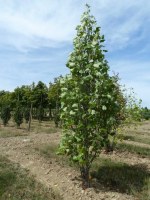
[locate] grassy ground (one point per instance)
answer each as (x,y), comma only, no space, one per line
(133,136)
(115,176)
(46,127)
(16,184)
(120,177)
(13,133)
(50,152)
(136,138)
(143,151)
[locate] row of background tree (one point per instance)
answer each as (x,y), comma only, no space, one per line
(35,101)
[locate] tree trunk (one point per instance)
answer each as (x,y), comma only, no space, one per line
(50,113)
(85,174)
(30,118)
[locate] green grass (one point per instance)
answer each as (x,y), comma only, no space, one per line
(16,184)
(41,128)
(48,150)
(111,176)
(142,151)
(47,130)
(11,133)
(44,127)
(136,138)
(120,177)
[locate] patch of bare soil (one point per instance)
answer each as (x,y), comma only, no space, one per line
(52,174)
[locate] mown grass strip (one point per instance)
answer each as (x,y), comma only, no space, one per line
(50,152)
(111,176)
(139,150)
(136,138)
(17,184)
(123,178)
(12,133)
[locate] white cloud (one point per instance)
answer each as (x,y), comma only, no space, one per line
(121,20)
(32,24)
(35,23)
(27,25)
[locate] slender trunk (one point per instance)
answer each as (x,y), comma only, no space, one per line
(30,118)
(85,174)
(50,113)
(18,126)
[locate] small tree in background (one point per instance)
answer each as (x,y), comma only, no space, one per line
(145,113)
(18,115)
(92,103)
(40,113)
(27,114)
(54,100)
(57,117)
(5,114)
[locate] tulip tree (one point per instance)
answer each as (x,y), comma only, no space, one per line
(91,100)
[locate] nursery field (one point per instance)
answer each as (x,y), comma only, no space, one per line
(30,169)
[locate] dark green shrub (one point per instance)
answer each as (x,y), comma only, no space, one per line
(5,114)
(18,116)
(26,114)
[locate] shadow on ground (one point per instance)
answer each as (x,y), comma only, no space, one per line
(121,177)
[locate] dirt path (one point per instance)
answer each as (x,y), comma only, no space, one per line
(50,172)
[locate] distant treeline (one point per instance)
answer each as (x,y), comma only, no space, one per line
(145,113)
(36,101)
(31,101)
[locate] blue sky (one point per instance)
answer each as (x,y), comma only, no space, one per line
(36,37)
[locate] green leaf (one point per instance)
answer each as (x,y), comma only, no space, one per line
(71,64)
(75,105)
(93,112)
(72,113)
(96,65)
(104,107)
(65,109)
(109,96)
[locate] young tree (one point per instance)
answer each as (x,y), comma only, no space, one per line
(145,113)
(26,114)
(54,100)
(40,98)
(91,100)
(40,113)
(18,115)
(5,114)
